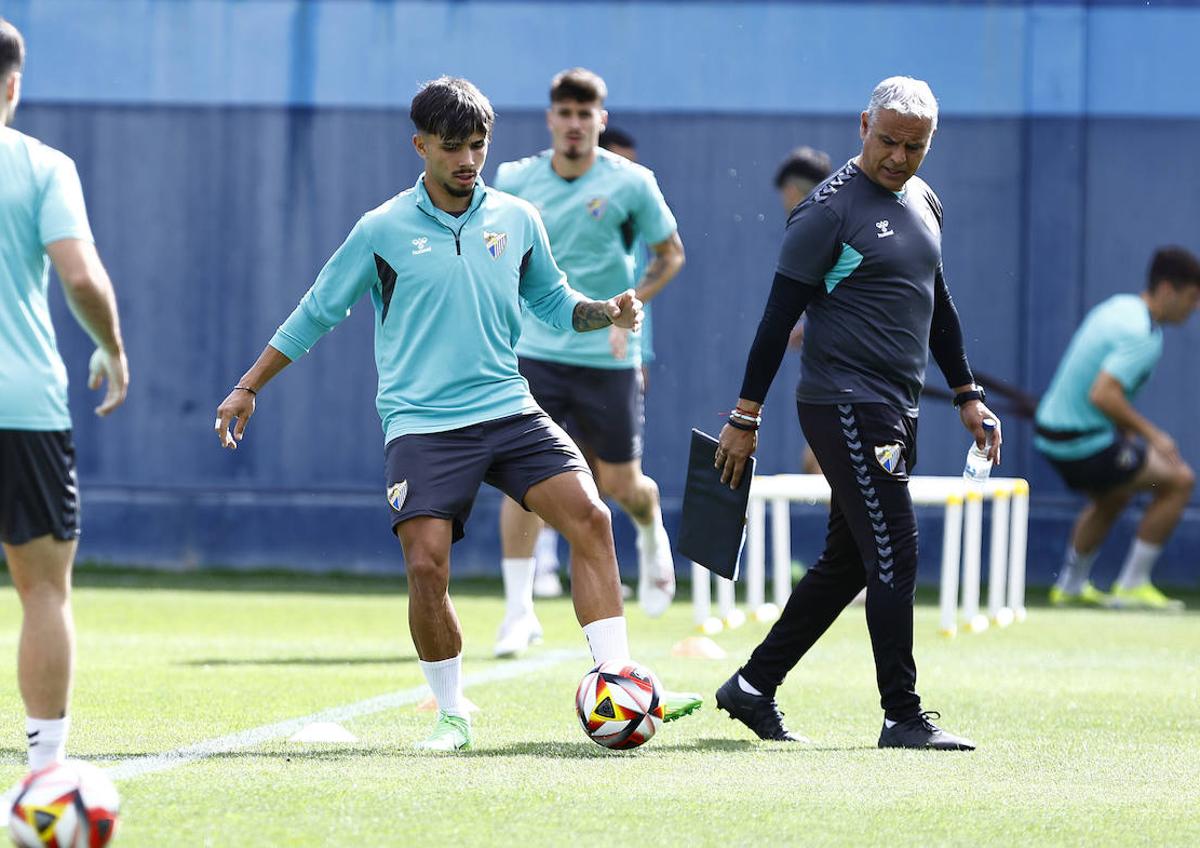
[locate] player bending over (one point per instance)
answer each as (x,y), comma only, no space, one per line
(1101,446)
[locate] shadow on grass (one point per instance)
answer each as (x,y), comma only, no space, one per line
(313,661)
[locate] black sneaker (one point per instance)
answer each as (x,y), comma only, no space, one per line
(758,712)
(920,732)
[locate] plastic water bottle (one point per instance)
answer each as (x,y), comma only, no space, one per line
(978,465)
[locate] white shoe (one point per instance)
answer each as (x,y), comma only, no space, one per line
(547,585)
(656,574)
(517,635)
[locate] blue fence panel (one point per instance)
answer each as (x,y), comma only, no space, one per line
(221,172)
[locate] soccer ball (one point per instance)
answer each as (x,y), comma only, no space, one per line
(619,704)
(71,804)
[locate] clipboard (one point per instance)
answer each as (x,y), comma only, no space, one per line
(713,527)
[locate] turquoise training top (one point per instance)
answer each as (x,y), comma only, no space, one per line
(41,202)
(594,222)
(447,292)
(1117,337)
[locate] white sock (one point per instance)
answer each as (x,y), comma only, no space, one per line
(445,679)
(746,687)
(607,639)
(47,740)
(1138,562)
(518,586)
(650,532)
(546,551)
(1075,570)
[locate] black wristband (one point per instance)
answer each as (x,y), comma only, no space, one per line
(246,389)
(740,425)
(976,393)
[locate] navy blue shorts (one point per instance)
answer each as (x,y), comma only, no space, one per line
(39,495)
(439,474)
(1104,470)
(603,407)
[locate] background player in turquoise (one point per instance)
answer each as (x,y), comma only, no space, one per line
(446,263)
(596,204)
(546,581)
(43,220)
(1089,430)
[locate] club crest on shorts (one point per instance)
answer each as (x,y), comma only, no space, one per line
(396,494)
(596,207)
(496,242)
(888,457)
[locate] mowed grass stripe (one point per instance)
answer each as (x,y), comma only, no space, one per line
(140,766)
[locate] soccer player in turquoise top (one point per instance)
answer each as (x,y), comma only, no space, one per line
(42,216)
(1100,445)
(546,582)
(596,204)
(448,264)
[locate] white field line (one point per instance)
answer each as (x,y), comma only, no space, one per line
(153,763)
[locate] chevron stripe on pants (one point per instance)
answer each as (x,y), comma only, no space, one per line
(866,452)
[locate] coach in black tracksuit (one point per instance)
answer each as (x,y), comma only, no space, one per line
(862,256)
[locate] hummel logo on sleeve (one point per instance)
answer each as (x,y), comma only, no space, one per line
(884,232)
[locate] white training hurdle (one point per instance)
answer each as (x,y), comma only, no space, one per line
(962,546)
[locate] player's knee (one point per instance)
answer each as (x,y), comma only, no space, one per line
(427,572)
(1184,479)
(41,588)
(595,521)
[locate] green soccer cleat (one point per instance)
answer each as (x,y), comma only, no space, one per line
(1089,596)
(678,704)
(450,733)
(1144,597)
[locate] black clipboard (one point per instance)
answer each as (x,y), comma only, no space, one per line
(713,528)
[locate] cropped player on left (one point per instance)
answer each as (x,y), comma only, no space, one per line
(43,220)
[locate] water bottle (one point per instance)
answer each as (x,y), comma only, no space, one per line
(978,465)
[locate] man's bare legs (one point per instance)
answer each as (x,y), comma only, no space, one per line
(41,574)
(638,496)
(1170,484)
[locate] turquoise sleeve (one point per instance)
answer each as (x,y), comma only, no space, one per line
(653,217)
(62,214)
(348,274)
(501,180)
(544,287)
(1132,361)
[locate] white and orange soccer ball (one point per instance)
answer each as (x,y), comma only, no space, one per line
(619,704)
(71,804)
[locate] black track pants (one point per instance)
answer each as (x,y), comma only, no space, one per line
(866,452)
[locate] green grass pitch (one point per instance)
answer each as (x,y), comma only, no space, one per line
(1088,725)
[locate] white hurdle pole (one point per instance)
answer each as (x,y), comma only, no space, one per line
(727,604)
(781,560)
(971,565)
(1017,549)
(756,554)
(701,596)
(951,552)
(998,611)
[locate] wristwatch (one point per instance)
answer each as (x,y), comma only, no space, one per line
(976,393)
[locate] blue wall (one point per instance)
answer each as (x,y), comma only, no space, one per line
(221,170)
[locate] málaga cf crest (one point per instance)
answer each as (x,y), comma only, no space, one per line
(888,457)
(396,494)
(596,207)
(496,242)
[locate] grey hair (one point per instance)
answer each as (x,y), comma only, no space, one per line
(904,96)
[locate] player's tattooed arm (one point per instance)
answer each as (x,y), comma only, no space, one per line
(664,265)
(624,311)
(591,315)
